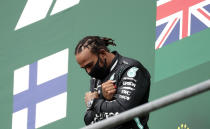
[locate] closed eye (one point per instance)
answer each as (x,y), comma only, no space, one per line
(89,65)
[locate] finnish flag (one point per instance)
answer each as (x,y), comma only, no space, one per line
(40,92)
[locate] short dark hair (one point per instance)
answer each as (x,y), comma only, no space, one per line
(95,43)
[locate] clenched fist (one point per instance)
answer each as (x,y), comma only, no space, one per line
(109,89)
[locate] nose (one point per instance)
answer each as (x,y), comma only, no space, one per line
(88,70)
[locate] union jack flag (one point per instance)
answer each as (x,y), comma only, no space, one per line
(177,19)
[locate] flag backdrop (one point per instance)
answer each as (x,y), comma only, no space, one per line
(40,92)
(179,24)
(177,19)
(42,86)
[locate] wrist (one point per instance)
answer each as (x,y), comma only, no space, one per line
(90,103)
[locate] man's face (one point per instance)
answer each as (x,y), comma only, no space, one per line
(86,59)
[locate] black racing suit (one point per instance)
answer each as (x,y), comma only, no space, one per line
(133,85)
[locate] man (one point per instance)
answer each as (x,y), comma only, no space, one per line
(117,83)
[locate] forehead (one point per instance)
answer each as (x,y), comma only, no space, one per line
(85,57)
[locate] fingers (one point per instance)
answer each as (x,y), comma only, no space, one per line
(95,93)
(112,91)
(109,82)
(87,93)
(90,95)
(109,88)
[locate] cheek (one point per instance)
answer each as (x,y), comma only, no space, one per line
(101,62)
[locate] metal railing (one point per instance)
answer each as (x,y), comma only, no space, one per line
(151,106)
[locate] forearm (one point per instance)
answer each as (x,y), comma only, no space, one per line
(129,94)
(89,116)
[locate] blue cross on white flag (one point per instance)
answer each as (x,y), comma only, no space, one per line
(40,92)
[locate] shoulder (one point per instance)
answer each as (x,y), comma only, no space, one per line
(134,66)
(130,61)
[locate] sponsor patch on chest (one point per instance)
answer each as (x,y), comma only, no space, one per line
(125,83)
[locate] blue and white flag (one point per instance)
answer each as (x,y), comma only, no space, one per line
(40,92)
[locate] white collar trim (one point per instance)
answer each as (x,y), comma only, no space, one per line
(113,66)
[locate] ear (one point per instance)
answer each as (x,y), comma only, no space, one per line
(102,53)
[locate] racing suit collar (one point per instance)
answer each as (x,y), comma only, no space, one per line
(114,61)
